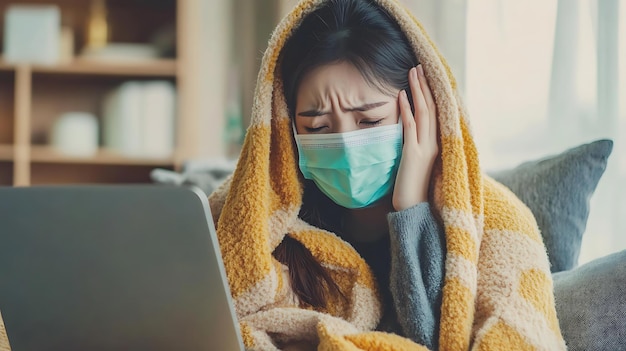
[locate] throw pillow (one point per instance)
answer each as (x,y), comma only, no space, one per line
(591,304)
(557,190)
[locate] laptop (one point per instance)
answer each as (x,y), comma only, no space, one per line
(113,268)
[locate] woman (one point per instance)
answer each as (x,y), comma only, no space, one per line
(347,69)
(343,153)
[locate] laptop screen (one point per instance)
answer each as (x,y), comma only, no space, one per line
(112,267)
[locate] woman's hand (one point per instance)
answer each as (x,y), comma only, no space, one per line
(420,143)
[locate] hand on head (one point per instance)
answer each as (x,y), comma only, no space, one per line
(420,143)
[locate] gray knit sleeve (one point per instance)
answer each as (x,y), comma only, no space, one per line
(417,272)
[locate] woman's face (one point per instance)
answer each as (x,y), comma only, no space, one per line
(336,98)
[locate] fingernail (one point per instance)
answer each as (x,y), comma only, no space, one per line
(414,72)
(420,70)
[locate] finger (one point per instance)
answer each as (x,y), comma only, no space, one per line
(421,108)
(430,102)
(408,123)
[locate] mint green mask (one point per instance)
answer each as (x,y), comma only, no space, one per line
(354,169)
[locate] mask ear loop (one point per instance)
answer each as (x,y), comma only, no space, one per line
(295,138)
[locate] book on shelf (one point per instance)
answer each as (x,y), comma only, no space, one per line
(138,119)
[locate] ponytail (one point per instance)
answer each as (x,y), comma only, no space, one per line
(309,280)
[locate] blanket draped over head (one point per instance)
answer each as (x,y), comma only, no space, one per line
(497,292)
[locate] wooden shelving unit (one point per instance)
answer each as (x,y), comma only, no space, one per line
(47,154)
(32,97)
(153,68)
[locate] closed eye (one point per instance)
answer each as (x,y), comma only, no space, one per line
(372,123)
(314,130)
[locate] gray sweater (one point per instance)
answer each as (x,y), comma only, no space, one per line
(409,267)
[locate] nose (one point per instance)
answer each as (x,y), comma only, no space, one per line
(343,122)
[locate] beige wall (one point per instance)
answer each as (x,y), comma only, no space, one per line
(253,26)
(204,74)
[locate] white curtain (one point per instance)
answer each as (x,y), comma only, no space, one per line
(446,24)
(543,76)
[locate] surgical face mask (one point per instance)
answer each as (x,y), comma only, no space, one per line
(354,169)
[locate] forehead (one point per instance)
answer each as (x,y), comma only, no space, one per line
(338,78)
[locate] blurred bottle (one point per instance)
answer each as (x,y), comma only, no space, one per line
(98,26)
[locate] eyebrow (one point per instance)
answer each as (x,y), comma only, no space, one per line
(366,107)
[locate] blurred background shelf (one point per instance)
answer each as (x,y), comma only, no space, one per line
(7,98)
(45,173)
(164,42)
(4,66)
(47,154)
(6,173)
(6,152)
(156,67)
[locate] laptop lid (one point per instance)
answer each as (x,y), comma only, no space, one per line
(111,268)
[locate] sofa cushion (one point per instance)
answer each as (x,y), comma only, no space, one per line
(591,304)
(557,190)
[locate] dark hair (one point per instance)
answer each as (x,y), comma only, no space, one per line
(354,31)
(365,35)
